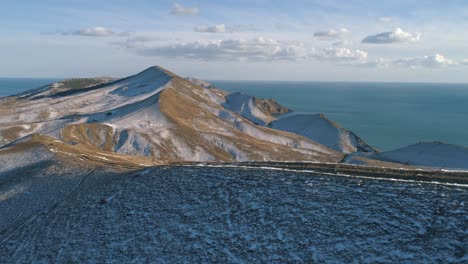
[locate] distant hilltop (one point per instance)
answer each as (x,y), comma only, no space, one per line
(156,117)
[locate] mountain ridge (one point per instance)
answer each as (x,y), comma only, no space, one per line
(154,114)
(157,117)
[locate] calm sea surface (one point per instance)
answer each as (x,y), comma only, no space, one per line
(9,86)
(386,115)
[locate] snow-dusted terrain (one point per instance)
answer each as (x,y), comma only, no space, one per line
(320,129)
(429,154)
(152,117)
(156,117)
(245,106)
(79,181)
(259,111)
(199,214)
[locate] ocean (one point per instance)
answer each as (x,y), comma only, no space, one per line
(386,115)
(10,86)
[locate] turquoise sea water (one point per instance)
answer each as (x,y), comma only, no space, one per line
(386,115)
(9,86)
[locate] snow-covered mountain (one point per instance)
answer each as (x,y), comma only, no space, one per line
(156,117)
(152,117)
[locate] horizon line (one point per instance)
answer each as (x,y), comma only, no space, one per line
(261,80)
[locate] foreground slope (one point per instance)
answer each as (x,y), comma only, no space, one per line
(199,214)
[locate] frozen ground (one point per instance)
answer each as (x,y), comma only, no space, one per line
(197,214)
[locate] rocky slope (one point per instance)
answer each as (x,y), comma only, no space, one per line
(271,106)
(152,117)
(228,215)
(201,83)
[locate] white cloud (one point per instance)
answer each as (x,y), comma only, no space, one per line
(256,49)
(376,63)
(138,41)
(385,19)
(95,32)
(396,36)
(341,54)
(221,28)
(332,33)
(432,61)
(230,49)
(180,10)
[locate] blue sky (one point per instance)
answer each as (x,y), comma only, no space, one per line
(331,40)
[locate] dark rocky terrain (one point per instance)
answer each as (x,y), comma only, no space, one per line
(201,214)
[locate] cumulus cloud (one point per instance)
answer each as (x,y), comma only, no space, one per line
(230,49)
(331,33)
(432,61)
(396,36)
(221,28)
(180,10)
(256,49)
(95,32)
(341,54)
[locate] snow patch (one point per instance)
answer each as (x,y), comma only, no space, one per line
(321,130)
(244,105)
(431,154)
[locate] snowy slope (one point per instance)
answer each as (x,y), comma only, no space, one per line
(155,115)
(322,130)
(201,83)
(13,158)
(245,106)
(431,154)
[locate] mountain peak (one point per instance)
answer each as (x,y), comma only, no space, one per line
(157,70)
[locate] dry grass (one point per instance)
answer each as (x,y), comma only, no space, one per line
(13,133)
(91,155)
(181,105)
(93,135)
